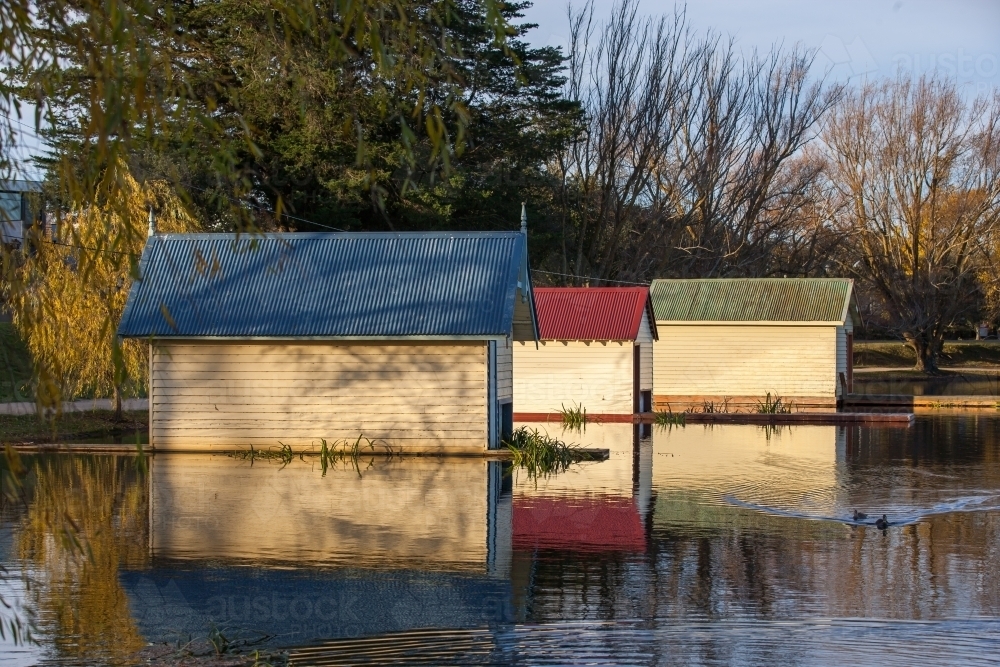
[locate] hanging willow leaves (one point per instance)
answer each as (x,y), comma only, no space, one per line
(113,83)
(70,292)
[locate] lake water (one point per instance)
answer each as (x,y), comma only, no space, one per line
(975,383)
(692,545)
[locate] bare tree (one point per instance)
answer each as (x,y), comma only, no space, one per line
(739,179)
(916,170)
(690,162)
(631,84)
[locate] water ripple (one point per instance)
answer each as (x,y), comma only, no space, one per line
(820,641)
(899,516)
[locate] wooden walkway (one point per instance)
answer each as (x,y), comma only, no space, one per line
(548,417)
(872,418)
(921,403)
(875,418)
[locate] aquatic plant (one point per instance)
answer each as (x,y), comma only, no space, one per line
(772,430)
(711,407)
(669,418)
(331,453)
(220,643)
(541,454)
(575,417)
(284,454)
(773,406)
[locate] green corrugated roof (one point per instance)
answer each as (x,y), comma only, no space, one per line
(751,299)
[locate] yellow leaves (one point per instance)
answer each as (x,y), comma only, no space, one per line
(84,520)
(74,290)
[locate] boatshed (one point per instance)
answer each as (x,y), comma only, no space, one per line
(730,342)
(403,338)
(595,352)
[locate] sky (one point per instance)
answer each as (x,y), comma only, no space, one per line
(853,38)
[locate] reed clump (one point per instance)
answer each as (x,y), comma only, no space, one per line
(773,406)
(346,451)
(541,454)
(713,408)
(669,418)
(574,418)
(283,454)
(330,453)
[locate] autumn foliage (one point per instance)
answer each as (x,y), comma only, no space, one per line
(74,285)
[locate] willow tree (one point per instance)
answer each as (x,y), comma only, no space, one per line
(126,79)
(70,292)
(915,170)
(83,520)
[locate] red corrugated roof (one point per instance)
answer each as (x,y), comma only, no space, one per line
(591,313)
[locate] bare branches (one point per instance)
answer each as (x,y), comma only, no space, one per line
(915,168)
(690,163)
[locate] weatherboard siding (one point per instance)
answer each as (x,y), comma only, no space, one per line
(418,397)
(595,375)
(842,361)
(737,360)
(645,341)
(505,370)
(841,356)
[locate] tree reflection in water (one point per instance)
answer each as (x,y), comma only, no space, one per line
(83,518)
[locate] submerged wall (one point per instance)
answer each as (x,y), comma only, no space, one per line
(401,544)
(392,513)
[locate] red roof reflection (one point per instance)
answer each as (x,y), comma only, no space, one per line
(577,523)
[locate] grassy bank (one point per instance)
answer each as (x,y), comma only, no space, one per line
(955,353)
(96,426)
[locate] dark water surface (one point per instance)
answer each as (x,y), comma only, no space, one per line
(695,545)
(982,383)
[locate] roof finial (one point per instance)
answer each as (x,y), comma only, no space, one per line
(524,219)
(152,222)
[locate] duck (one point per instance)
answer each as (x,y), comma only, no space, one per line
(858,516)
(882,523)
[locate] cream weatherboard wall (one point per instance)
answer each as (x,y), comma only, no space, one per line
(842,361)
(596,375)
(505,370)
(711,361)
(645,342)
(421,396)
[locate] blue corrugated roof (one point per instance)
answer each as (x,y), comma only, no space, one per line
(326,285)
